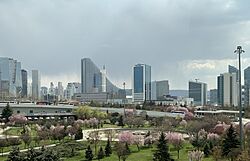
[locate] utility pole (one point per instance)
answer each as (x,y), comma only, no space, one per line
(240,51)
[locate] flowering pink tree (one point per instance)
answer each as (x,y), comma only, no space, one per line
(58,132)
(184,109)
(214,138)
(195,155)
(176,139)
(221,128)
(189,116)
(138,140)
(18,119)
(93,122)
(149,140)
(71,131)
(199,140)
(247,127)
(79,122)
(183,123)
(126,137)
(171,108)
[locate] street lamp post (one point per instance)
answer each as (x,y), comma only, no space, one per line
(124,87)
(240,51)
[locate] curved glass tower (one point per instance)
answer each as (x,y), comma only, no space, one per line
(94,80)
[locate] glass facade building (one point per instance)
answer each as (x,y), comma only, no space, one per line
(198,91)
(94,80)
(247,87)
(24,92)
(232,69)
(141,83)
(36,85)
(227,89)
(10,77)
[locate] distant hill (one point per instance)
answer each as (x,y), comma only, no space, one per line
(179,93)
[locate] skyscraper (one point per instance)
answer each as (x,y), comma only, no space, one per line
(60,91)
(52,89)
(213,96)
(247,86)
(24,92)
(153,90)
(159,89)
(227,88)
(36,84)
(198,91)
(232,69)
(162,89)
(94,80)
(141,83)
(10,79)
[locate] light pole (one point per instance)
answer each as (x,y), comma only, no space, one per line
(124,87)
(240,51)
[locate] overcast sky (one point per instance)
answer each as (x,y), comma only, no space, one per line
(181,40)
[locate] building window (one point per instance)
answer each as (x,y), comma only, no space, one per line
(18,112)
(31,111)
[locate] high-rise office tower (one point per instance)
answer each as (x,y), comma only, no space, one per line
(36,84)
(198,91)
(141,83)
(60,91)
(232,69)
(94,80)
(24,92)
(44,91)
(162,89)
(159,89)
(213,96)
(70,91)
(52,89)
(153,91)
(103,75)
(227,89)
(247,87)
(11,78)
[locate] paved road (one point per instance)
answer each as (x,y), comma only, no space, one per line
(150,113)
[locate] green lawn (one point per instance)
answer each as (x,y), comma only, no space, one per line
(145,154)
(16,131)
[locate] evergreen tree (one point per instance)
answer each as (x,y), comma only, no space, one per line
(32,154)
(89,154)
(206,150)
(162,154)
(15,155)
(230,143)
(48,155)
(79,134)
(7,112)
(120,121)
(100,154)
(211,145)
(108,149)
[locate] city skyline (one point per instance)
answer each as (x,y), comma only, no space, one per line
(181,40)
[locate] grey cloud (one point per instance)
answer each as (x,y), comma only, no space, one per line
(53,36)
